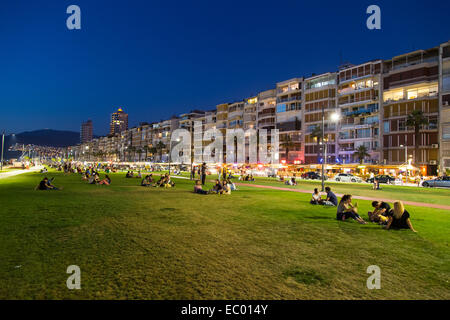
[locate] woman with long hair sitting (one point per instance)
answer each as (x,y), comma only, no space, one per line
(347,210)
(400,218)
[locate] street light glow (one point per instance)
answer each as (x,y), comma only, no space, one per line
(335,116)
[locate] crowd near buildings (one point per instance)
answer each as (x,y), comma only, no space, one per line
(373,100)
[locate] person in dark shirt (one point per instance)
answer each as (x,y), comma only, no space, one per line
(400,218)
(45,184)
(203,169)
(381,212)
(331,199)
(217,187)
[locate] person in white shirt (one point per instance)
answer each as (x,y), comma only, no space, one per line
(316,198)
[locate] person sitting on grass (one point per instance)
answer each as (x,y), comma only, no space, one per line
(95,179)
(147,181)
(106,181)
(400,218)
(44,170)
(45,184)
(291,182)
(198,188)
(226,188)
(168,182)
(129,175)
(347,210)
(331,199)
(160,182)
(316,198)
(217,187)
(85,176)
(139,175)
(231,185)
(381,213)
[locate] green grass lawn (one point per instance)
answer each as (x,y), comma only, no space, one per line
(147,243)
(404,193)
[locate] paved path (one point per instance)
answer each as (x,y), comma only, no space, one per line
(412,203)
(12,173)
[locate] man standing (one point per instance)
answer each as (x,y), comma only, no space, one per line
(193,173)
(203,173)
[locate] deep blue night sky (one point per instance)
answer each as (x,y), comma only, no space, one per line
(158,58)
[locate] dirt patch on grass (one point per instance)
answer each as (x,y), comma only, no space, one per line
(308,277)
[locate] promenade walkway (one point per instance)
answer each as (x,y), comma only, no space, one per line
(13,173)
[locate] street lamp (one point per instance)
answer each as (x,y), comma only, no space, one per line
(334,118)
(3,143)
(406,160)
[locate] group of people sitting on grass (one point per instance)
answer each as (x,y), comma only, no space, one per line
(396,218)
(224,187)
(130,174)
(93,177)
(291,182)
(330,199)
(147,181)
(164,182)
(246,177)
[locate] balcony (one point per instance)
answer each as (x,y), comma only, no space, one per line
(350,90)
(267,113)
(367,110)
(234,114)
(433,94)
(350,102)
(287,90)
(295,98)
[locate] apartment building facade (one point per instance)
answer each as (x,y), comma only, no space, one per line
(359,101)
(266,113)
(410,82)
(320,101)
(444,107)
(289,116)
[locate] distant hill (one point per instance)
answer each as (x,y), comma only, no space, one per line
(44,137)
(49,137)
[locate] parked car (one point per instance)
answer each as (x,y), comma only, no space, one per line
(383,178)
(347,177)
(313,176)
(439,182)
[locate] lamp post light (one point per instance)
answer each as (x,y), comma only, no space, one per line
(3,144)
(334,118)
(406,159)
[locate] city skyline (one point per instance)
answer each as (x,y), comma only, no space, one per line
(178,69)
